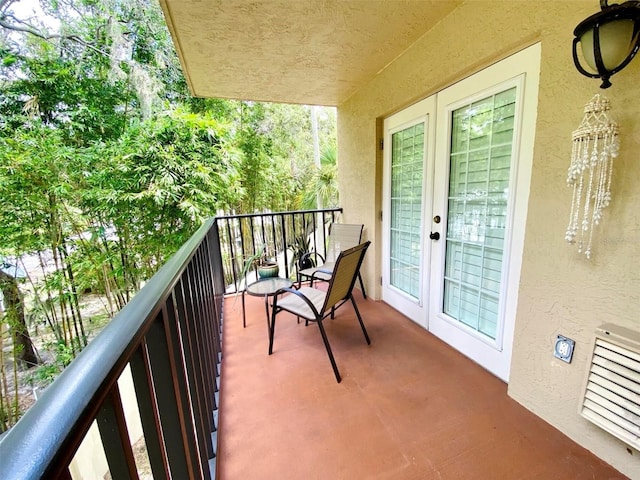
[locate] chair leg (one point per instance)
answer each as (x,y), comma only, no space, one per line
(364,330)
(328,347)
(364,294)
(244,318)
(272,328)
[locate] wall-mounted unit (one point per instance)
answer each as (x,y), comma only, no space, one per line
(612,387)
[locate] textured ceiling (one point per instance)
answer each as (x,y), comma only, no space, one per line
(293,51)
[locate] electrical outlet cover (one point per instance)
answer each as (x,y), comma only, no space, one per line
(563,349)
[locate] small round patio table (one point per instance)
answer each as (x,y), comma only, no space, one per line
(266,287)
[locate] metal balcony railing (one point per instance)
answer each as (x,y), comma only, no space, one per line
(169,335)
(167,343)
(280,233)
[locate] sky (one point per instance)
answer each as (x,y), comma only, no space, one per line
(30,12)
(25,8)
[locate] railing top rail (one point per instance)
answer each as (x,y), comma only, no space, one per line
(291,212)
(70,402)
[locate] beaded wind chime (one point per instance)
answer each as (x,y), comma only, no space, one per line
(595,145)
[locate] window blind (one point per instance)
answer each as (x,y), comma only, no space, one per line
(407,160)
(480,160)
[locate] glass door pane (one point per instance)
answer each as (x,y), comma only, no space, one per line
(407,159)
(482,135)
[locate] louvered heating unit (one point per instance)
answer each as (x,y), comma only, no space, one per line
(612,386)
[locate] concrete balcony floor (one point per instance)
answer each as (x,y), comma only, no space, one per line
(408,407)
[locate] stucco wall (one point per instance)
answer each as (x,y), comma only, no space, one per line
(560,292)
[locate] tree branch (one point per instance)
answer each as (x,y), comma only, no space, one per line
(24,27)
(4,4)
(19,28)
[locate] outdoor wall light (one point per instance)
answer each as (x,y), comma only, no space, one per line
(609,40)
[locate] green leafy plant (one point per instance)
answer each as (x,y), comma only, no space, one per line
(251,262)
(46,373)
(299,247)
(260,258)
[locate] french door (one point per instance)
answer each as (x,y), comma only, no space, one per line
(410,136)
(457,172)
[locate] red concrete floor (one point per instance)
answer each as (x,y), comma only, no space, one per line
(408,407)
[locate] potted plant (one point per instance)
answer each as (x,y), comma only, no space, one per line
(268,269)
(264,265)
(300,252)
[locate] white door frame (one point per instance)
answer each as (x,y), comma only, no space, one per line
(522,69)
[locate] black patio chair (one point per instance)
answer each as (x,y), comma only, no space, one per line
(314,305)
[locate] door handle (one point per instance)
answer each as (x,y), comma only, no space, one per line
(434,235)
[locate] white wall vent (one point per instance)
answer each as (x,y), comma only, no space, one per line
(612,387)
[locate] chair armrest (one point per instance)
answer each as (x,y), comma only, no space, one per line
(326,271)
(299,294)
(280,291)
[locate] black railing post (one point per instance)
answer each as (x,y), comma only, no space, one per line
(202,326)
(208,304)
(232,254)
(195,371)
(115,437)
(274,237)
(242,246)
(285,247)
(149,416)
(314,222)
(198,456)
(172,419)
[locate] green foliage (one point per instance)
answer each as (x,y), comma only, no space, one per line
(252,262)
(33,186)
(9,413)
(322,186)
(301,244)
(277,160)
(47,372)
(107,165)
(78,102)
(159,182)
(44,374)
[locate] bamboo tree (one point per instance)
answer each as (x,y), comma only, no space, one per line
(108,166)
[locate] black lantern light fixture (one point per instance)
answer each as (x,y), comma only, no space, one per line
(609,40)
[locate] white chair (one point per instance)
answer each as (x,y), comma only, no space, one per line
(342,236)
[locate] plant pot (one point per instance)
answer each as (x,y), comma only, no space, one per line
(268,270)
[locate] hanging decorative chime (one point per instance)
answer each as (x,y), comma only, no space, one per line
(595,145)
